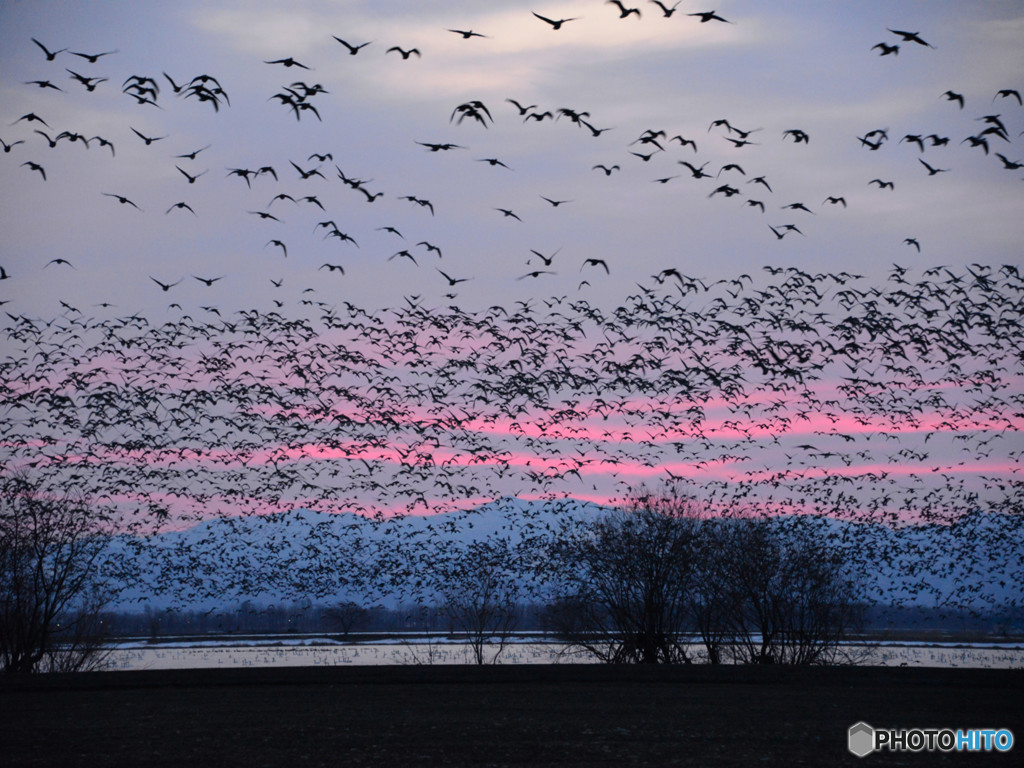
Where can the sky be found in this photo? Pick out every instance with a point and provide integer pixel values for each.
(774, 72)
(776, 67)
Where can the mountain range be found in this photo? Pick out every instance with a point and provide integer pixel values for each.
(321, 558)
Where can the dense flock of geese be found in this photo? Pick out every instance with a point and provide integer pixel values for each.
(799, 393)
(783, 390)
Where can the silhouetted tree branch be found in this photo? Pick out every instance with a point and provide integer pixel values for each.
(50, 597)
(627, 581)
(645, 582)
(480, 595)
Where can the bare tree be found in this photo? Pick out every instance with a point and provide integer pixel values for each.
(80, 639)
(711, 598)
(625, 597)
(640, 584)
(347, 615)
(792, 599)
(50, 597)
(480, 595)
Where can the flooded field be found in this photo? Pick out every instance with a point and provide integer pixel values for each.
(281, 652)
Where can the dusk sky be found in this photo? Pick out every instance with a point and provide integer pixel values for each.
(781, 66)
(802, 87)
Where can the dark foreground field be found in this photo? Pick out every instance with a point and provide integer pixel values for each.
(498, 716)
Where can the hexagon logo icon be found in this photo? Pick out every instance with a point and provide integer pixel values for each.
(861, 739)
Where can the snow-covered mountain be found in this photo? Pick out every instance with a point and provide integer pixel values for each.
(306, 556)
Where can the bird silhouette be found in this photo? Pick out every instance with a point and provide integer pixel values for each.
(92, 58)
(90, 83)
(725, 189)
(105, 143)
(797, 207)
(624, 12)
(762, 181)
(404, 254)
(165, 287)
(954, 96)
(148, 140)
(50, 55)
(539, 116)
(44, 84)
(683, 141)
(474, 109)
(304, 174)
(1009, 165)
(278, 244)
(31, 117)
(208, 281)
(492, 161)
(431, 248)
(522, 110)
(352, 49)
(405, 54)
(977, 141)
(554, 203)
(244, 173)
(739, 142)
(191, 178)
(706, 16)
(122, 200)
(1007, 93)
(931, 170)
(546, 259)
(453, 281)
(178, 89)
(36, 167)
(192, 155)
(439, 147)
(554, 24)
(696, 172)
(665, 10)
(914, 139)
(911, 37)
(288, 62)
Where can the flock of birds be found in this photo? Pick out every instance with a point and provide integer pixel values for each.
(800, 393)
(789, 391)
(675, 155)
